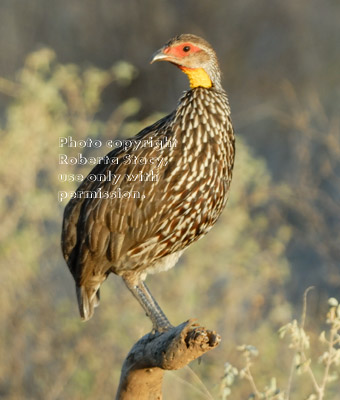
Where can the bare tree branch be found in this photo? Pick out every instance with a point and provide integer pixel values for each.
(144, 367)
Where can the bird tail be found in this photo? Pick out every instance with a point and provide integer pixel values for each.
(88, 298)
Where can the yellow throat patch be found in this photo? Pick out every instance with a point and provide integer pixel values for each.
(197, 77)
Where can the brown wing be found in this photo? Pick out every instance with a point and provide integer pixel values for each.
(97, 231)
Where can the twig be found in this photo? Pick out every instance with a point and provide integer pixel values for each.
(199, 381)
(329, 360)
(248, 375)
(300, 349)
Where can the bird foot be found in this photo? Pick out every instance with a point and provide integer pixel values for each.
(161, 328)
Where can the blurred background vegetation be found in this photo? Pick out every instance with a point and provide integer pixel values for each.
(81, 69)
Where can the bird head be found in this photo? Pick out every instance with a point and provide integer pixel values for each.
(195, 57)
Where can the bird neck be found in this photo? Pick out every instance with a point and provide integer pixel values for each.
(198, 77)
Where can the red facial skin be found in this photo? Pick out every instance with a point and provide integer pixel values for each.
(198, 77)
(178, 51)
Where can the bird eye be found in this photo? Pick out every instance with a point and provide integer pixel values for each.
(186, 48)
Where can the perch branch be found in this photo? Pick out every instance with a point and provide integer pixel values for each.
(153, 354)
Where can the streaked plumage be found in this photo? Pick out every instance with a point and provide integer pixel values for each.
(132, 237)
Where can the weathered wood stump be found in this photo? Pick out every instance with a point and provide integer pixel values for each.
(153, 354)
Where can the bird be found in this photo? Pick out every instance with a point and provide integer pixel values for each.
(133, 227)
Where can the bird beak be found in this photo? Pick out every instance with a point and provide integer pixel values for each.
(159, 56)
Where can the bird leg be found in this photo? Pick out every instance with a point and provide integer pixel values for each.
(140, 291)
